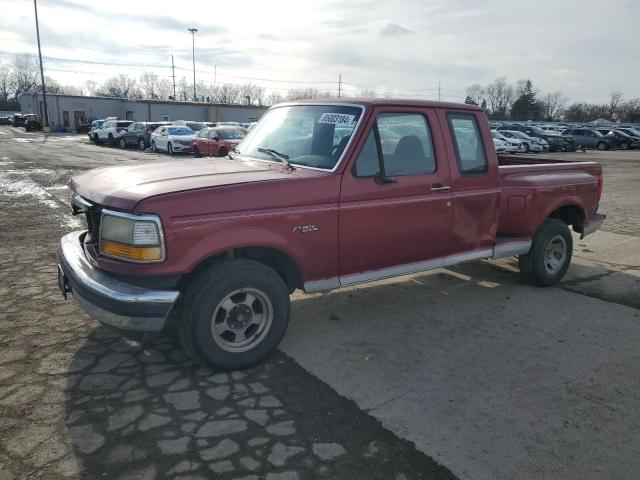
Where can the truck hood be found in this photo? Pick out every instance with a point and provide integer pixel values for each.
(124, 187)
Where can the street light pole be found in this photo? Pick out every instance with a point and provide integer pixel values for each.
(193, 52)
(44, 90)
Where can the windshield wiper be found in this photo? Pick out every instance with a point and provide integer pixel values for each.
(277, 155)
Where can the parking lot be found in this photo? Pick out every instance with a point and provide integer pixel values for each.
(459, 373)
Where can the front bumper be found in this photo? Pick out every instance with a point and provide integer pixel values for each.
(178, 147)
(593, 225)
(106, 298)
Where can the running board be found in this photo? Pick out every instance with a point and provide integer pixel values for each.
(505, 247)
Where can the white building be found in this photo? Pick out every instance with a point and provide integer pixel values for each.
(72, 110)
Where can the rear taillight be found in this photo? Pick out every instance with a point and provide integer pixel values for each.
(599, 187)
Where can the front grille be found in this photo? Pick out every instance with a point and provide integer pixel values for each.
(93, 215)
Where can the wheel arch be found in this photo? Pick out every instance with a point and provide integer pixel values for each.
(572, 214)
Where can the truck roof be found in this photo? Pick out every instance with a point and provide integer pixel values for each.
(391, 102)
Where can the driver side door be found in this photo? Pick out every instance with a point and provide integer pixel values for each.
(395, 204)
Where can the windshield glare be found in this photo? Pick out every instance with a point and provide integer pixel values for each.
(309, 135)
(179, 131)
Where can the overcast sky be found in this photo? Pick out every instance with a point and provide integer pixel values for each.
(587, 49)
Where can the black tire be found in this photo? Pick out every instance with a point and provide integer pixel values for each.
(111, 142)
(602, 146)
(526, 148)
(624, 146)
(208, 289)
(222, 152)
(121, 143)
(153, 146)
(96, 139)
(142, 144)
(196, 152)
(170, 149)
(533, 264)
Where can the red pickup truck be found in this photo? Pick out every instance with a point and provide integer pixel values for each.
(318, 196)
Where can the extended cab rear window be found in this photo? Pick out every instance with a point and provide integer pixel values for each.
(468, 143)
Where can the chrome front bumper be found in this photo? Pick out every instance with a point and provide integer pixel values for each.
(106, 298)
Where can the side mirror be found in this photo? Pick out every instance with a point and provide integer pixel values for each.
(216, 139)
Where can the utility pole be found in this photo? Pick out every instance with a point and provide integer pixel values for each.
(44, 90)
(193, 51)
(173, 75)
(439, 95)
(339, 84)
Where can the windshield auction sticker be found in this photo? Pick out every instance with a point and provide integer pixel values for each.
(337, 118)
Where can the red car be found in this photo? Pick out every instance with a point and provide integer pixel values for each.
(216, 141)
(321, 195)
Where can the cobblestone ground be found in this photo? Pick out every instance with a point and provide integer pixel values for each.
(78, 400)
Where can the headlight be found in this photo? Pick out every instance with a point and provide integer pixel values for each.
(136, 238)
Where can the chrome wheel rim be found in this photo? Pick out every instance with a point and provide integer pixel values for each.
(555, 255)
(242, 320)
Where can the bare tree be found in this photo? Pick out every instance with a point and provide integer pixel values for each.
(149, 85)
(24, 76)
(554, 105)
(368, 93)
(274, 98)
(121, 86)
(500, 95)
(612, 106)
(5, 83)
(476, 93)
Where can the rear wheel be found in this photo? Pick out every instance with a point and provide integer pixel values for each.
(141, 144)
(526, 148)
(196, 152)
(234, 314)
(602, 146)
(624, 146)
(111, 141)
(170, 149)
(550, 254)
(96, 139)
(153, 146)
(122, 143)
(222, 152)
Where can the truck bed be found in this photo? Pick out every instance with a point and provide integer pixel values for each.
(534, 188)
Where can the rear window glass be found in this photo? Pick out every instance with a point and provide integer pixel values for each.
(468, 143)
(123, 124)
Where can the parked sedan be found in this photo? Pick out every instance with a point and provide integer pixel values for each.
(217, 141)
(587, 138)
(531, 144)
(619, 139)
(172, 139)
(629, 131)
(515, 145)
(554, 140)
(138, 134)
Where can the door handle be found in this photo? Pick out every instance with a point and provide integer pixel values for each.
(441, 188)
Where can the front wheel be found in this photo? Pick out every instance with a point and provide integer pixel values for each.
(234, 314)
(111, 141)
(122, 143)
(96, 139)
(624, 146)
(141, 145)
(153, 146)
(222, 152)
(602, 146)
(550, 254)
(196, 152)
(170, 149)
(526, 148)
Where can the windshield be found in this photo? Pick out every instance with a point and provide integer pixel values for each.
(309, 135)
(633, 131)
(179, 131)
(520, 134)
(231, 134)
(196, 126)
(498, 135)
